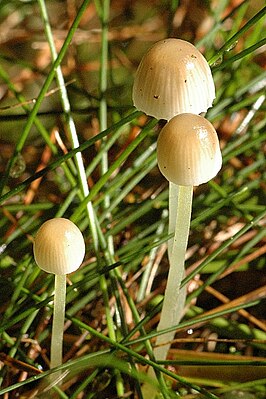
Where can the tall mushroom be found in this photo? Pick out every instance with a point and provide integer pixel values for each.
(173, 77)
(58, 248)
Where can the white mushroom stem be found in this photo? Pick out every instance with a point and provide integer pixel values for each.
(174, 298)
(173, 203)
(58, 321)
(180, 206)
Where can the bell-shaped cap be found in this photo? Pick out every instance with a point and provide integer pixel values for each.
(188, 150)
(173, 77)
(59, 246)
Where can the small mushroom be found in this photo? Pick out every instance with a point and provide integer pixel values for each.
(188, 150)
(173, 77)
(188, 154)
(58, 248)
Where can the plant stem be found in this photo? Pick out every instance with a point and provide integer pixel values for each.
(104, 166)
(103, 103)
(70, 123)
(45, 87)
(58, 321)
(237, 35)
(63, 158)
(174, 297)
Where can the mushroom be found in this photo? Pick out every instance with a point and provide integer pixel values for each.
(188, 151)
(173, 77)
(58, 248)
(188, 155)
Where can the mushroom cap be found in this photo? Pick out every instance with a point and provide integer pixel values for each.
(173, 77)
(188, 150)
(59, 246)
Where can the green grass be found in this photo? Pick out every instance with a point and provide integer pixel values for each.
(109, 185)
